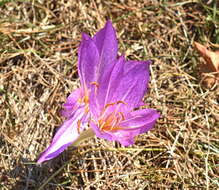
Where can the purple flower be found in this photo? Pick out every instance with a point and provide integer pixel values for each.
(95, 56)
(114, 100)
(105, 104)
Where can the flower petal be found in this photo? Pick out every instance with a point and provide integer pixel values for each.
(129, 65)
(125, 138)
(141, 119)
(107, 46)
(133, 85)
(71, 103)
(110, 82)
(66, 135)
(88, 60)
(136, 122)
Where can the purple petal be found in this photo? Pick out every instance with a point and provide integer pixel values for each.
(132, 86)
(125, 138)
(88, 60)
(107, 46)
(66, 135)
(137, 123)
(110, 82)
(129, 65)
(141, 119)
(71, 103)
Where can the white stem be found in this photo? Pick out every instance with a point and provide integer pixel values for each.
(88, 133)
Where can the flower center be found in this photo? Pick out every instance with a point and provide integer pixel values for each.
(111, 121)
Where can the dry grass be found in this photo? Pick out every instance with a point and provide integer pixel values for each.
(39, 41)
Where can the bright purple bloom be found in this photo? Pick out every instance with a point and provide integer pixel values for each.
(95, 56)
(114, 100)
(111, 89)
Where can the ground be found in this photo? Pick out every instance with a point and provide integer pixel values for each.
(38, 64)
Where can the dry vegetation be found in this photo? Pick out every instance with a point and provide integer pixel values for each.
(38, 57)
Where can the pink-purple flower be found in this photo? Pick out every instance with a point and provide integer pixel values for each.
(106, 103)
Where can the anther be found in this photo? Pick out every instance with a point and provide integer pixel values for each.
(95, 84)
(121, 102)
(78, 126)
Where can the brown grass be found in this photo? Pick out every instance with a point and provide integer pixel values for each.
(38, 45)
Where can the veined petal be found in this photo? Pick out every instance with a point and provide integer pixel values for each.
(88, 60)
(137, 123)
(71, 103)
(94, 102)
(125, 138)
(141, 119)
(132, 86)
(129, 65)
(107, 46)
(66, 135)
(106, 41)
(110, 82)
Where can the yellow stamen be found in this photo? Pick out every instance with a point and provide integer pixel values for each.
(110, 122)
(122, 115)
(78, 126)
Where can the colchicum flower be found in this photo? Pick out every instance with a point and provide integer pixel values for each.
(105, 104)
(113, 103)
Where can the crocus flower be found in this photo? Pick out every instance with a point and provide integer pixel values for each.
(95, 58)
(113, 103)
(105, 104)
